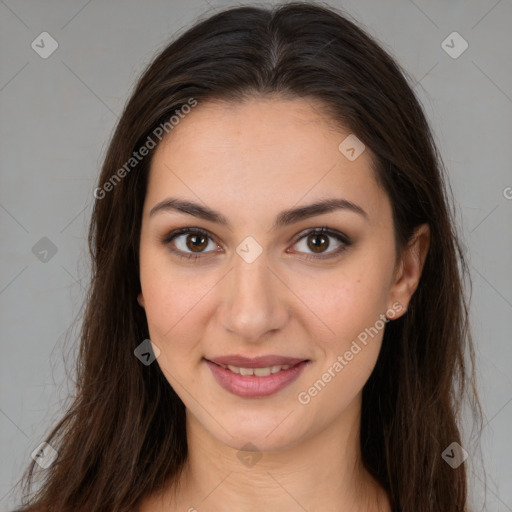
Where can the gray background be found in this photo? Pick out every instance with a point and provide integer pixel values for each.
(58, 113)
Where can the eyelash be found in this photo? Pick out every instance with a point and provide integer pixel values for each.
(324, 230)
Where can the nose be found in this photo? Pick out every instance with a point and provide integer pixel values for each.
(254, 300)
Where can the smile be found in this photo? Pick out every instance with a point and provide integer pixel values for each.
(255, 382)
(258, 372)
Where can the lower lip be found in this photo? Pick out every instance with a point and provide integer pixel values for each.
(252, 386)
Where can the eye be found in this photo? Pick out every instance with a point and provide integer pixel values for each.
(189, 239)
(317, 240)
(191, 243)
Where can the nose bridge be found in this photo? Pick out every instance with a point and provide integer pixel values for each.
(252, 304)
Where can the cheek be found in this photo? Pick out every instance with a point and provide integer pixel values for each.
(171, 307)
(352, 302)
(174, 303)
(164, 292)
(173, 312)
(354, 310)
(346, 360)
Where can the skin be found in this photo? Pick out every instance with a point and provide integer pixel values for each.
(249, 161)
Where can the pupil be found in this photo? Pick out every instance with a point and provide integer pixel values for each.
(195, 245)
(316, 246)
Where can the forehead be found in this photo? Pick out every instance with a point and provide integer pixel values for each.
(259, 153)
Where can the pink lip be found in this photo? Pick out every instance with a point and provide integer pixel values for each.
(250, 386)
(255, 362)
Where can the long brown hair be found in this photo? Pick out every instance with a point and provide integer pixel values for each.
(124, 437)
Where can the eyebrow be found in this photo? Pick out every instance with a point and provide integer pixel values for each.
(284, 218)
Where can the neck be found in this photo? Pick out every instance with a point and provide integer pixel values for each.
(316, 473)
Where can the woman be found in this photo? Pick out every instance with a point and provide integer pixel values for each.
(276, 319)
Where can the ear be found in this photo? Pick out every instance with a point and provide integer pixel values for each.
(140, 299)
(409, 268)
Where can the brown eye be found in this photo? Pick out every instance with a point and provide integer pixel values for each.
(192, 243)
(196, 242)
(189, 243)
(315, 243)
(318, 242)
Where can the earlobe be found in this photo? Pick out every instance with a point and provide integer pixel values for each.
(408, 274)
(140, 299)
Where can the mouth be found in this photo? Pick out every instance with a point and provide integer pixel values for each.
(263, 371)
(252, 381)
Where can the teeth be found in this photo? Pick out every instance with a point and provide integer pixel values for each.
(262, 372)
(258, 372)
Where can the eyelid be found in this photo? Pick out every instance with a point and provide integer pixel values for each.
(322, 230)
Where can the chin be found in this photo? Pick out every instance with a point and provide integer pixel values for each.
(265, 433)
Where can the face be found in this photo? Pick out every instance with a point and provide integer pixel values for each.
(225, 273)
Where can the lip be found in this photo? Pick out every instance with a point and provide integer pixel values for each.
(256, 362)
(250, 386)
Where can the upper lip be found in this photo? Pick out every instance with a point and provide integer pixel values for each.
(256, 362)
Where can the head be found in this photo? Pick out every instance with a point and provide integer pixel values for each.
(252, 284)
(249, 123)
